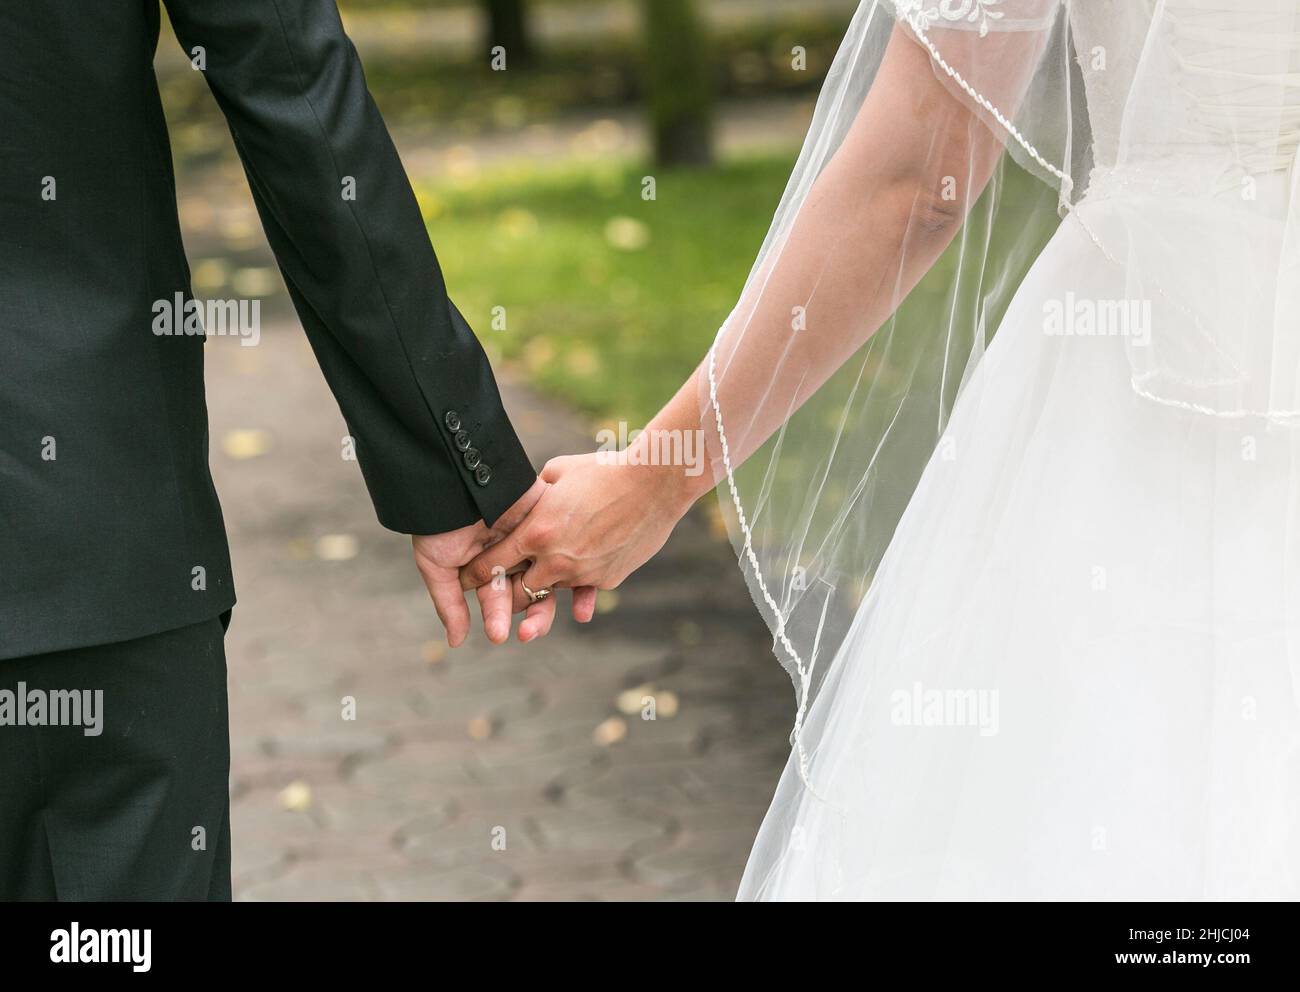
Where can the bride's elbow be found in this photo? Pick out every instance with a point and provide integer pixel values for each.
(917, 208)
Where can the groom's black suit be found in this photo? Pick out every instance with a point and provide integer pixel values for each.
(111, 531)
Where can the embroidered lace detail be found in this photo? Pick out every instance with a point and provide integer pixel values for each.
(926, 13)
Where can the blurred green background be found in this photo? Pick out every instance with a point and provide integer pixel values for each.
(530, 129)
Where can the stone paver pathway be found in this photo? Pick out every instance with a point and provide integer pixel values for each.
(510, 773)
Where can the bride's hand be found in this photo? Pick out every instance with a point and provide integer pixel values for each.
(597, 523)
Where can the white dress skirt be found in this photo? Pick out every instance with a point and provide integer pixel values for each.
(1074, 676)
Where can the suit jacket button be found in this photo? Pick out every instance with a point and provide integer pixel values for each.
(473, 459)
(452, 421)
(462, 442)
(483, 475)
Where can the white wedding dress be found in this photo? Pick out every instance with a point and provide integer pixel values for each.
(1074, 675)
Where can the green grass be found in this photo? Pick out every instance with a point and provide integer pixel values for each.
(610, 300)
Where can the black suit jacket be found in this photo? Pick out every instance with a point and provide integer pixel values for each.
(109, 525)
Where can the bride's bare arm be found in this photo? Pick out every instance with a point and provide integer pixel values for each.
(875, 221)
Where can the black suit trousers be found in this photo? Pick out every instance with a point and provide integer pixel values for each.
(139, 811)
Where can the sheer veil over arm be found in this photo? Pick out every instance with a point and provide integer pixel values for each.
(832, 380)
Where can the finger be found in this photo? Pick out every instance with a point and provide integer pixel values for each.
(584, 604)
(537, 621)
(495, 601)
(516, 515)
(521, 600)
(449, 601)
(496, 561)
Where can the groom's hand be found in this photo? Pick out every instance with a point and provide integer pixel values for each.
(440, 558)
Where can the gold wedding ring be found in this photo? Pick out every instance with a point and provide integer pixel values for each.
(535, 597)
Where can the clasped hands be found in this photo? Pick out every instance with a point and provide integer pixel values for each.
(585, 525)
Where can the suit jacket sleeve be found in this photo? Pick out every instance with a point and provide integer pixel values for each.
(435, 446)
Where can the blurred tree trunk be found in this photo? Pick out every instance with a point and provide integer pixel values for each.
(679, 82)
(507, 26)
